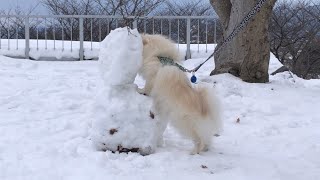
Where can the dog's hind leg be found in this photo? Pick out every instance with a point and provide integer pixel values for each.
(204, 146)
(195, 149)
(199, 146)
(197, 143)
(201, 142)
(205, 143)
(161, 127)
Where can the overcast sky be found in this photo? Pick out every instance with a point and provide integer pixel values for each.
(30, 4)
(23, 4)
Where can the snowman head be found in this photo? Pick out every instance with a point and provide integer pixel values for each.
(121, 56)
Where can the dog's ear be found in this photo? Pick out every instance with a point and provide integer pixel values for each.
(145, 40)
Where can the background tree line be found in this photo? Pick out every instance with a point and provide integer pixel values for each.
(97, 28)
(295, 37)
(294, 30)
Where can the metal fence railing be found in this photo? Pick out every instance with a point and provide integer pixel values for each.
(80, 34)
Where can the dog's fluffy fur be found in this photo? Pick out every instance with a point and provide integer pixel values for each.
(193, 111)
(153, 47)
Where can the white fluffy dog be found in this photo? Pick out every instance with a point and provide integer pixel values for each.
(193, 111)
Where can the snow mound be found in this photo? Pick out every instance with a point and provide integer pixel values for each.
(121, 115)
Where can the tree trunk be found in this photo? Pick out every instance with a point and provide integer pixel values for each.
(247, 55)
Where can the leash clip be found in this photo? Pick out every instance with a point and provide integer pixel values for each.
(193, 78)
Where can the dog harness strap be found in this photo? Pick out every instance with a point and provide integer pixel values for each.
(165, 61)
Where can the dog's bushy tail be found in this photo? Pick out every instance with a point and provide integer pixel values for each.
(212, 103)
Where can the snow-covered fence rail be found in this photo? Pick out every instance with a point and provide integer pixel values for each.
(78, 36)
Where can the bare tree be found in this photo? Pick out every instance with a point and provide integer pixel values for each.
(294, 37)
(198, 26)
(186, 8)
(97, 7)
(248, 54)
(128, 7)
(71, 7)
(14, 27)
(308, 64)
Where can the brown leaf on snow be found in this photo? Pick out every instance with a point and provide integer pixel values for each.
(151, 115)
(204, 167)
(112, 131)
(126, 150)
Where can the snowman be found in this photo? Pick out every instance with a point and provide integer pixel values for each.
(122, 120)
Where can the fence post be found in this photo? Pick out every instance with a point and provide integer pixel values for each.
(27, 37)
(215, 31)
(188, 53)
(135, 24)
(81, 50)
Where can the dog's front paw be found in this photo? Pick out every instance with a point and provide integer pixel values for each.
(141, 91)
(194, 151)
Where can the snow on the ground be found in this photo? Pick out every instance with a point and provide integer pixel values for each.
(120, 116)
(44, 129)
